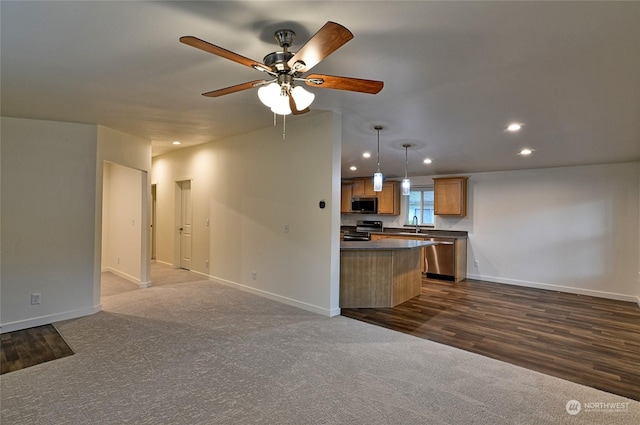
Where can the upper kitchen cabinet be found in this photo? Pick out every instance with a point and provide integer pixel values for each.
(389, 198)
(345, 199)
(450, 196)
(362, 187)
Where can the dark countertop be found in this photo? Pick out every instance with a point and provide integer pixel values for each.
(425, 232)
(383, 245)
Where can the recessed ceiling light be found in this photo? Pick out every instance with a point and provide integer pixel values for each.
(366, 155)
(176, 142)
(526, 152)
(514, 126)
(427, 161)
(353, 168)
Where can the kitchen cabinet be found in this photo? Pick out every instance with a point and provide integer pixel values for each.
(379, 273)
(389, 199)
(450, 196)
(362, 187)
(345, 198)
(457, 269)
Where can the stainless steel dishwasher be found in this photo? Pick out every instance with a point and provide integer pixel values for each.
(440, 258)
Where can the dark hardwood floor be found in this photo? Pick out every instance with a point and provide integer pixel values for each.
(29, 347)
(583, 339)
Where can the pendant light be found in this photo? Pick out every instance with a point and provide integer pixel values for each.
(377, 176)
(406, 183)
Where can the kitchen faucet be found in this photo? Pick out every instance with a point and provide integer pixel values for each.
(414, 220)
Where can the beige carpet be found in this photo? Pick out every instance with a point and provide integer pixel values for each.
(203, 353)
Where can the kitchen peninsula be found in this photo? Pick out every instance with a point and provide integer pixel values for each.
(381, 273)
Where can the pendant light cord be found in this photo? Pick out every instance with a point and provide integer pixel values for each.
(406, 160)
(378, 128)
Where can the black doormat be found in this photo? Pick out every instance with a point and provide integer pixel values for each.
(29, 347)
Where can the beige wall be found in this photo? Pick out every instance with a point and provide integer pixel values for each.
(250, 188)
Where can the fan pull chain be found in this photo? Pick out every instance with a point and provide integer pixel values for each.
(284, 126)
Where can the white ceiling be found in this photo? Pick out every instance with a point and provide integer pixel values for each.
(455, 74)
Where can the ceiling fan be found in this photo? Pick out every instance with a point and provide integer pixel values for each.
(280, 93)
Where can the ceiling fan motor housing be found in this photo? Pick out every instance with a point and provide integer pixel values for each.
(277, 61)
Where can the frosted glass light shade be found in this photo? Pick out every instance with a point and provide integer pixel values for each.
(281, 106)
(302, 97)
(406, 187)
(269, 94)
(377, 182)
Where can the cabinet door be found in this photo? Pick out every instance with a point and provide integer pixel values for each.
(363, 187)
(389, 199)
(345, 199)
(368, 187)
(450, 196)
(357, 188)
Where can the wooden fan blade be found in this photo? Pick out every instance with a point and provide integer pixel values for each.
(344, 83)
(236, 88)
(294, 108)
(224, 53)
(326, 41)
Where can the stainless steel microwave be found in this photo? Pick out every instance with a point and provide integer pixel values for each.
(364, 205)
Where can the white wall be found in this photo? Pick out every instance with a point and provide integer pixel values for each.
(48, 219)
(560, 228)
(250, 187)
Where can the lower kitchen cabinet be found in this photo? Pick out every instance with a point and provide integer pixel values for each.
(377, 237)
(447, 260)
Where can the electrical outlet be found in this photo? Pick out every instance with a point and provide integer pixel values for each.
(35, 299)
(476, 263)
(286, 228)
(206, 263)
(206, 222)
(254, 275)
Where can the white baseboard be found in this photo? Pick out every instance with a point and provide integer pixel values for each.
(559, 288)
(126, 276)
(274, 297)
(52, 318)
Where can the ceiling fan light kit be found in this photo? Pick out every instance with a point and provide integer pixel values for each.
(280, 93)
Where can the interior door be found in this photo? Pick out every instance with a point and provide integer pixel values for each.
(185, 224)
